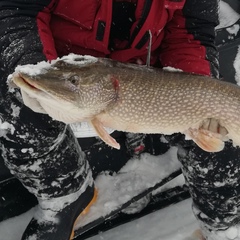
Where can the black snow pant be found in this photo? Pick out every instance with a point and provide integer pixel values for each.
(43, 154)
(213, 180)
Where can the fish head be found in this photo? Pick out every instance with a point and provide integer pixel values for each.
(69, 90)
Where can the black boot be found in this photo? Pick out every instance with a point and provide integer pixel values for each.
(55, 218)
(213, 182)
(4, 171)
(15, 199)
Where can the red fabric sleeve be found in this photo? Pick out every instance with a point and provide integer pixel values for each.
(43, 21)
(189, 39)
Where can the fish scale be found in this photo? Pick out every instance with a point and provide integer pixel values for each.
(133, 98)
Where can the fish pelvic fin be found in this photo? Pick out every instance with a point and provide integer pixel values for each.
(206, 140)
(103, 134)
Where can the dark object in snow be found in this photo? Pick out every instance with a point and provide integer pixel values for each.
(59, 221)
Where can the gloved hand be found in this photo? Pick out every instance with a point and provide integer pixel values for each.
(209, 124)
(214, 126)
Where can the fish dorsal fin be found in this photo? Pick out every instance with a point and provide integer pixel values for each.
(103, 134)
(207, 140)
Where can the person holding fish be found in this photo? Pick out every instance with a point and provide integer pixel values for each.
(45, 155)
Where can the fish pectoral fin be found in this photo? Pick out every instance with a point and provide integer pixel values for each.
(207, 140)
(103, 134)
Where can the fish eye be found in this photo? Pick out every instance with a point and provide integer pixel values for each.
(74, 79)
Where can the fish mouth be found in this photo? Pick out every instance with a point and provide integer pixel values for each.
(25, 84)
(28, 83)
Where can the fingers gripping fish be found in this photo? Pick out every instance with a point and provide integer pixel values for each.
(133, 98)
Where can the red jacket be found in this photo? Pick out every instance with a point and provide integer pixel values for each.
(182, 30)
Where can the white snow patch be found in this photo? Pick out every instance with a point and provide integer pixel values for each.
(6, 127)
(227, 15)
(15, 110)
(172, 69)
(236, 65)
(43, 67)
(133, 178)
(234, 29)
(232, 233)
(175, 222)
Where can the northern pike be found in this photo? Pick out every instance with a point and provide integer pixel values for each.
(133, 98)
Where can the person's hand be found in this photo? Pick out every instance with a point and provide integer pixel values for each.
(214, 126)
(210, 136)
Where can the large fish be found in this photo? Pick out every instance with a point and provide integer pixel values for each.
(133, 98)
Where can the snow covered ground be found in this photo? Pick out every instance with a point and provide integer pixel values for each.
(175, 222)
(172, 223)
(114, 190)
(167, 224)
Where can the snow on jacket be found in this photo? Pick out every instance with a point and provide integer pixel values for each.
(182, 31)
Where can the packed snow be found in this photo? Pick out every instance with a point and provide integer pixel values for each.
(227, 15)
(175, 222)
(114, 190)
(41, 67)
